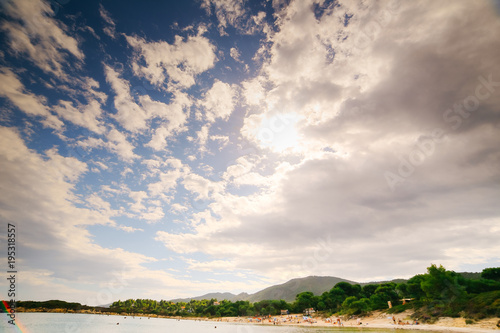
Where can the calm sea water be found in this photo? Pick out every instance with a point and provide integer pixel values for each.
(83, 323)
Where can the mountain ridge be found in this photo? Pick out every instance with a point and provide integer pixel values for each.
(286, 291)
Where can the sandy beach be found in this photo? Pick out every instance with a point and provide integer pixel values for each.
(375, 320)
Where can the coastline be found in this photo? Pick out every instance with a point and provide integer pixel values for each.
(376, 320)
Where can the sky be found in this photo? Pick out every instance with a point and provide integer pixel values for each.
(164, 149)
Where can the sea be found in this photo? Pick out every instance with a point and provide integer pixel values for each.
(86, 323)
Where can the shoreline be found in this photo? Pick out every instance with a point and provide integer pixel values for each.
(376, 320)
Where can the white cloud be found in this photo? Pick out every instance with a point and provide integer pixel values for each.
(129, 229)
(12, 89)
(235, 54)
(137, 197)
(98, 203)
(153, 214)
(361, 109)
(253, 92)
(201, 186)
(223, 140)
(42, 38)
(210, 266)
(129, 114)
(110, 28)
(87, 116)
(135, 117)
(178, 208)
(167, 182)
(233, 13)
(219, 101)
(116, 142)
(175, 117)
(202, 137)
(179, 63)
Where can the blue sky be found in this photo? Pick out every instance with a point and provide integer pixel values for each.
(163, 149)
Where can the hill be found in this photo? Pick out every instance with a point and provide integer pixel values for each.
(218, 296)
(288, 290)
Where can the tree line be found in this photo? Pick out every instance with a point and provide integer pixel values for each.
(439, 292)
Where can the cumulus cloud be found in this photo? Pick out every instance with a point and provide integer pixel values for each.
(31, 104)
(371, 96)
(234, 13)
(59, 254)
(176, 64)
(362, 130)
(87, 116)
(219, 101)
(35, 33)
(114, 141)
(228, 12)
(135, 116)
(201, 186)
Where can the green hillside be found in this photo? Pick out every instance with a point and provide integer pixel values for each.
(288, 290)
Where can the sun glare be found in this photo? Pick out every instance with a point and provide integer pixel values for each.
(279, 133)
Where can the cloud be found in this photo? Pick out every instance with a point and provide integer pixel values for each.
(223, 140)
(129, 114)
(137, 197)
(130, 229)
(176, 64)
(233, 13)
(366, 105)
(87, 116)
(253, 92)
(43, 39)
(361, 131)
(31, 104)
(202, 137)
(219, 101)
(210, 266)
(135, 117)
(201, 186)
(115, 141)
(235, 54)
(174, 116)
(110, 28)
(59, 253)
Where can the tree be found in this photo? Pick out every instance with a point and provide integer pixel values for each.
(385, 292)
(414, 287)
(354, 306)
(368, 290)
(336, 297)
(349, 289)
(491, 273)
(441, 285)
(304, 300)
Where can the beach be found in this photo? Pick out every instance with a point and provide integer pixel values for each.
(376, 319)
